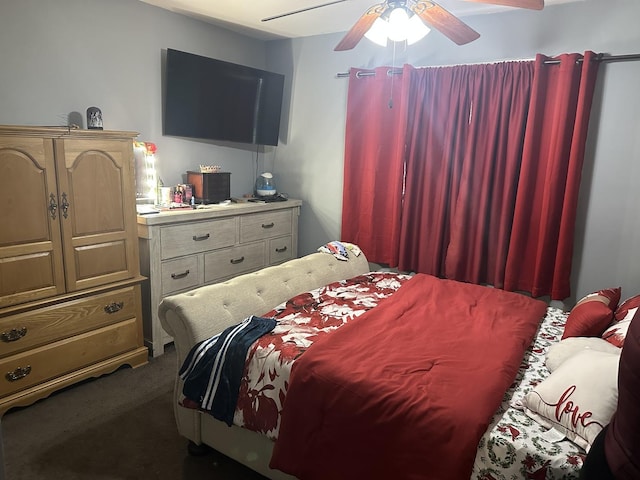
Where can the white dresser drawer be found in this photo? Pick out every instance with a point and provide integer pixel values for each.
(197, 237)
(233, 261)
(180, 274)
(259, 226)
(280, 250)
(233, 240)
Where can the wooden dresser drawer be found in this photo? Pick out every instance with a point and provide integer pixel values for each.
(36, 366)
(233, 261)
(197, 237)
(280, 250)
(180, 274)
(23, 331)
(259, 226)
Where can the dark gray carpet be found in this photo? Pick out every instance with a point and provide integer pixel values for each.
(119, 426)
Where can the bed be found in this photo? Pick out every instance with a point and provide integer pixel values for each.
(327, 430)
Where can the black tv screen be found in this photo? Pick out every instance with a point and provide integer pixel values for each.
(211, 99)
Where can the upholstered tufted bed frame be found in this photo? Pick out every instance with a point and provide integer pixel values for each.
(201, 313)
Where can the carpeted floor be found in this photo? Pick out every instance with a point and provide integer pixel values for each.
(119, 426)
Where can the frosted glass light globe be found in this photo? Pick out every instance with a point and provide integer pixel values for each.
(398, 24)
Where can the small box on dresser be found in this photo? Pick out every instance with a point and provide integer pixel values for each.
(213, 187)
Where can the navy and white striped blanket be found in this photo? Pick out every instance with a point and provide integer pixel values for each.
(213, 368)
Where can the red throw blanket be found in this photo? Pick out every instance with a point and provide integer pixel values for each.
(406, 390)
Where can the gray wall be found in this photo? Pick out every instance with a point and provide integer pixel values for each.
(64, 56)
(309, 161)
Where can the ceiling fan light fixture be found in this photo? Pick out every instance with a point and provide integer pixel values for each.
(398, 24)
(429, 15)
(417, 30)
(378, 32)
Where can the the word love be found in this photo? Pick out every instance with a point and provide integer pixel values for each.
(565, 407)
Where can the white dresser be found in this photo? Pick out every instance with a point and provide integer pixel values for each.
(184, 249)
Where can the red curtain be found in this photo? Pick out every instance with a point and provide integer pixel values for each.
(491, 159)
(438, 107)
(466, 134)
(541, 245)
(374, 163)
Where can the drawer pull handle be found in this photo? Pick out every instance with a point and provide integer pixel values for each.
(268, 225)
(280, 250)
(114, 307)
(13, 334)
(176, 276)
(198, 238)
(236, 261)
(18, 373)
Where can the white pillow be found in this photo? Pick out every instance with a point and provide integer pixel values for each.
(564, 349)
(579, 398)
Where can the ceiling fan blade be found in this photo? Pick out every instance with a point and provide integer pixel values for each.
(301, 10)
(443, 21)
(361, 27)
(531, 4)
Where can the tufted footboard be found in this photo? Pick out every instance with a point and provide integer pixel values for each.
(201, 313)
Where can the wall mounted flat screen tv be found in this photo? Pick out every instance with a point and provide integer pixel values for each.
(211, 99)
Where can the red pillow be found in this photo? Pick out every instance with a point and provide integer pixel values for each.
(611, 294)
(592, 314)
(617, 331)
(627, 305)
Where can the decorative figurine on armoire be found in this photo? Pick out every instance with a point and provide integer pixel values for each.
(94, 118)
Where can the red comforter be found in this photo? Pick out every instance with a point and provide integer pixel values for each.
(406, 390)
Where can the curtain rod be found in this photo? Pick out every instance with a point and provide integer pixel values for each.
(600, 58)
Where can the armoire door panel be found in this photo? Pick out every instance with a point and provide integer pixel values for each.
(101, 259)
(23, 219)
(26, 277)
(96, 203)
(31, 259)
(96, 176)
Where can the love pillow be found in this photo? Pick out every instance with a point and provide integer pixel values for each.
(579, 398)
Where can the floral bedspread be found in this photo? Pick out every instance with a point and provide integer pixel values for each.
(515, 447)
(301, 320)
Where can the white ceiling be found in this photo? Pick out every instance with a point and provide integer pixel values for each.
(245, 16)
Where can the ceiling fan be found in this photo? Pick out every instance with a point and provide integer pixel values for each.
(428, 11)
